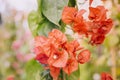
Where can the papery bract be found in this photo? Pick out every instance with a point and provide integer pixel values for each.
(42, 45)
(79, 23)
(42, 58)
(40, 41)
(80, 28)
(98, 13)
(72, 47)
(57, 38)
(97, 39)
(79, 16)
(105, 26)
(58, 58)
(71, 66)
(54, 71)
(84, 56)
(68, 14)
(38, 50)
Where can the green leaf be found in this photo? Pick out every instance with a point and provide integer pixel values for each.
(39, 6)
(118, 16)
(33, 69)
(52, 10)
(46, 75)
(34, 19)
(74, 76)
(72, 3)
(45, 27)
(63, 25)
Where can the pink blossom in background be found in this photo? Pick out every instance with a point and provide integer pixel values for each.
(16, 65)
(20, 57)
(10, 77)
(28, 57)
(16, 45)
(24, 57)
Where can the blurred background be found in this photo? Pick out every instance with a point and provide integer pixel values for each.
(16, 42)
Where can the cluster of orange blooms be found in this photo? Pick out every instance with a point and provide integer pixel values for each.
(95, 28)
(57, 53)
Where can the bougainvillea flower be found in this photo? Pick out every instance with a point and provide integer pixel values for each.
(38, 50)
(79, 16)
(54, 72)
(97, 39)
(42, 58)
(72, 47)
(40, 40)
(71, 66)
(79, 23)
(57, 37)
(58, 58)
(84, 56)
(98, 13)
(80, 28)
(68, 14)
(106, 76)
(105, 26)
(42, 45)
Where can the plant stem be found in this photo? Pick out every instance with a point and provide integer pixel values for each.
(62, 75)
(113, 68)
(79, 71)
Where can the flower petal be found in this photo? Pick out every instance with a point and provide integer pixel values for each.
(54, 72)
(58, 58)
(40, 40)
(38, 50)
(72, 47)
(42, 58)
(71, 66)
(68, 14)
(57, 37)
(98, 13)
(84, 56)
(97, 39)
(105, 26)
(62, 60)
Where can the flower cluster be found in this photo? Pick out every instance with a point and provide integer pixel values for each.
(95, 27)
(106, 76)
(57, 53)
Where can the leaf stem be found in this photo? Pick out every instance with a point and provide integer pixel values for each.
(79, 71)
